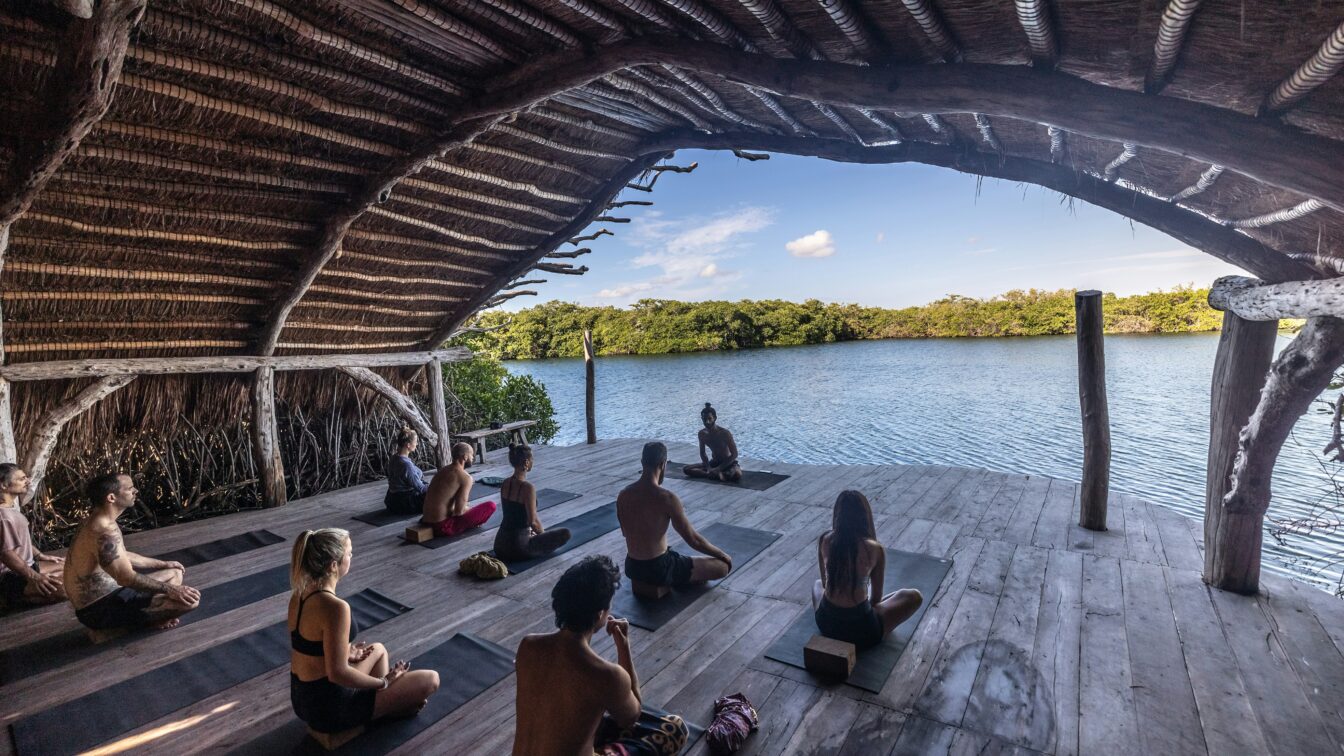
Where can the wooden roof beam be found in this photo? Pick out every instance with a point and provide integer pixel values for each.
(1324, 64)
(1034, 16)
(1112, 170)
(1205, 181)
(1170, 38)
(1278, 216)
(1285, 156)
(60, 370)
(1187, 226)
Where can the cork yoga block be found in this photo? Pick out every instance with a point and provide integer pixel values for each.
(419, 533)
(649, 590)
(330, 741)
(829, 658)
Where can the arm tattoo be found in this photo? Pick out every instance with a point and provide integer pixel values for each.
(148, 584)
(109, 548)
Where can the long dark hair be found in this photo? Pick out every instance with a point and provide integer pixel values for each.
(851, 524)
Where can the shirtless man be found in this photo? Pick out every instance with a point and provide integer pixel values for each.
(645, 509)
(446, 499)
(27, 576)
(573, 702)
(102, 577)
(721, 461)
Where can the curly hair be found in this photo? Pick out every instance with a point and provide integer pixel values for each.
(584, 592)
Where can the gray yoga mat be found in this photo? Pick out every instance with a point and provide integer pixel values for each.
(224, 547)
(742, 544)
(582, 528)
(546, 498)
(64, 648)
(874, 665)
(754, 480)
(117, 709)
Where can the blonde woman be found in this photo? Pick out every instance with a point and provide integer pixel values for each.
(334, 683)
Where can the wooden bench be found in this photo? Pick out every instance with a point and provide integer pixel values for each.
(516, 430)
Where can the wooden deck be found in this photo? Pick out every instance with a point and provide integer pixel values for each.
(1043, 638)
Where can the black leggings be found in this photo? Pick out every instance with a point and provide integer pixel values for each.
(519, 545)
(405, 502)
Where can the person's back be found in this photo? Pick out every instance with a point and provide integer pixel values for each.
(85, 579)
(643, 509)
(547, 665)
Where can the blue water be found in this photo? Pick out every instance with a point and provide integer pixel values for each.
(1003, 404)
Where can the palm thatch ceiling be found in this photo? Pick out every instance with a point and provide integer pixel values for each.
(308, 176)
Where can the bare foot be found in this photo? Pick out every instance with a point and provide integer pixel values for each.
(168, 624)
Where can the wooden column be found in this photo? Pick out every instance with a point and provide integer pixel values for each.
(8, 448)
(1096, 418)
(265, 445)
(38, 444)
(589, 387)
(1232, 540)
(443, 450)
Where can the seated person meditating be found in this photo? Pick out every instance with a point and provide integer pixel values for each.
(573, 702)
(851, 559)
(27, 576)
(520, 535)
(446, 499)
(645, 509)
(721, 461)
(335, 684)
(405, 483)
(104, 581)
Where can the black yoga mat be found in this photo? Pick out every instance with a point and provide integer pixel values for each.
(582, 528)
(105, 714)
(874, 665)
(754, 480)
(224, 547)
(380, 517)
(546, 498)
(467, 666)
(58, 650)
(742, 544)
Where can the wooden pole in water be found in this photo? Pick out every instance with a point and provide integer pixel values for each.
(1096, 418)
(1232, 540)
(589, 389)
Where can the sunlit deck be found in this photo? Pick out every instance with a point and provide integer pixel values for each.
(1043, 638)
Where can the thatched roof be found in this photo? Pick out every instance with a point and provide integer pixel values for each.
(244, 136)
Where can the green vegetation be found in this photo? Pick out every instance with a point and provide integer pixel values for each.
(658, 326)
(481, 391)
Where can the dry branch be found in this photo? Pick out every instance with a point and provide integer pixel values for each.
(402, 403)
(590, 237)
(39, 443)
(581, 251)
(1251, 299)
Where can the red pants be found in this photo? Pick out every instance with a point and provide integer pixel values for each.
(472, 518)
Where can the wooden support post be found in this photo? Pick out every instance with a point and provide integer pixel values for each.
(1096, 418)
(9, 450)
(42, 440)
(590, 387)
(1232, 540)
(265, 445)
(443, 450)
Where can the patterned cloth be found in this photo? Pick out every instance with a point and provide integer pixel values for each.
(652, 735)
(483, 566)
(734, 719)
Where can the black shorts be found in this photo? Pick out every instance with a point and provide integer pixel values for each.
(12, 585)
(124, 607)
(858, 624)
(327, 707)
(404, 502)
(671, 569)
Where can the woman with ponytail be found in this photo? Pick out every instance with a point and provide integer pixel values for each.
(853, 565)
(520, 535)
(334, 683)
(405, 483)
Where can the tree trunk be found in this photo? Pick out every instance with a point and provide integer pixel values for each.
(443, 451)
(1251, 299)
(8, 448)
(1231, 540)
(1096, 418)
(265, 445)
(402, 403)
(589, 386)
(42, 440)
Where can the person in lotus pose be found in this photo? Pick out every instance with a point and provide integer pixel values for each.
(521, 535)
(446, 499)
(853, 565)
(645, 510)
(720, 463)
(405, 483)
(27, 576)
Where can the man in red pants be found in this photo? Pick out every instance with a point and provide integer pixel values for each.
(446, 500)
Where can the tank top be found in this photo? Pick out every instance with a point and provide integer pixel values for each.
(314, 647)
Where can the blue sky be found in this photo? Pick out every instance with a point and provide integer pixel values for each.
(882, 235)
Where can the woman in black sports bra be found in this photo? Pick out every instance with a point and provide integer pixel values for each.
(334, 683)
(521, 535)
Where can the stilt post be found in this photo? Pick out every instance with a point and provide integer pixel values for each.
(589, 388)
(443, 455)
(265, 444)
(1096, 417)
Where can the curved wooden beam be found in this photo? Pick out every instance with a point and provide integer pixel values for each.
(1250, 299)
(1284, 156)
(1192, 228)
(399, 401)
(37, 449)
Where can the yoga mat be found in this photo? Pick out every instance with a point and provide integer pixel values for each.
(103, 715)
(380, 517)
(546, 498)
(224, 547)
(467, 666)
(754, 480)
(73, 645)
(742, 544)
(874, 665)
(582, 529)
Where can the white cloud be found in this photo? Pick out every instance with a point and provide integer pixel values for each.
(881, 236)
(815, 244)
(624, 290)
(709, 271)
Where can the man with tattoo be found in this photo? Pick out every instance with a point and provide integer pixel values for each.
(104, 580)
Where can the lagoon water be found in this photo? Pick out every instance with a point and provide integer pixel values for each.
(1004, 404)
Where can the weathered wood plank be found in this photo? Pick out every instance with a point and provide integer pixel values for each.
(1056, 647)
(1108, 722)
